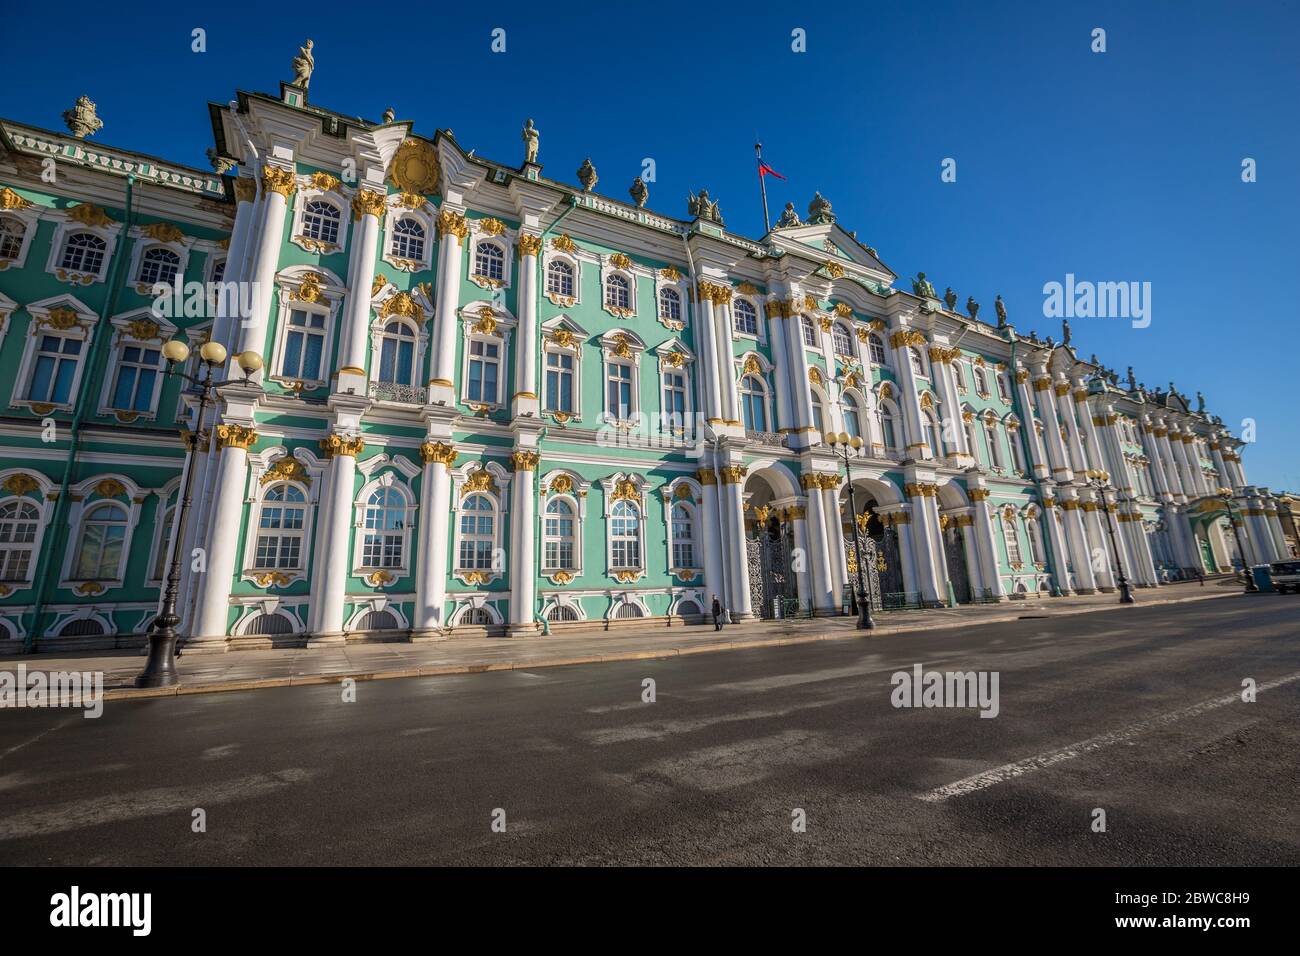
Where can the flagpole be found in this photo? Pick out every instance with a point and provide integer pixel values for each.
(762, 186)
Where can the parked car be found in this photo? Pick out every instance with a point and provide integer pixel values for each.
(1286, 576)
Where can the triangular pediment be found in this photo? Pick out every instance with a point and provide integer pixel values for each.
(833, 242)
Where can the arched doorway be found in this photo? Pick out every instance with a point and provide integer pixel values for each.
(877, 534)
(769, 544)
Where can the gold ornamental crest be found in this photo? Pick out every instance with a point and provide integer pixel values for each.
(415, 167)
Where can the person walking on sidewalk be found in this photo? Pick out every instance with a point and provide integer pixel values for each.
(717, 613)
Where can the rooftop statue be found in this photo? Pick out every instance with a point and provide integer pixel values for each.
(82, 118)
(1132, 379)
(1065, 332)
(587, 175)
(303, 65)
(922, 288)
(1200, 404)
(701, 207)
(819, 211)
(789, 217)
(530, 142)
(950, 299)
(640, 192)
(972, 307)
(1000, 308)
(389, 115)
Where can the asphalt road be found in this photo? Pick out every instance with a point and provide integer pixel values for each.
(1135, 712)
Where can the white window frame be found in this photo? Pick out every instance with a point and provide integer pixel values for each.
(611, 486)
(474, 328)
(68, 226)
(143, 243)
(610, 345)
(38, 498)
(576, 494)
(684, 367)
(340, 198)
(669, 277)
(163, 530)
(396, 210)
(1010, 536)
(124, 337)
(499, 494)
(386, 481)
(488, 229)
(40, 319)
(573, 261)
(842, 328)
(289, 283)
(89, 493)
(686, 493)
(807, 322)
(757, 335)
(575, 540)
(29, 217)
(312, 470)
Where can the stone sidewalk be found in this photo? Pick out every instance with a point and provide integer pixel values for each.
(246, 670)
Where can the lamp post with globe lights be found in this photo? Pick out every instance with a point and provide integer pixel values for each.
(160, 668)
(1100, 483)
(1226, 495)
(849, 447)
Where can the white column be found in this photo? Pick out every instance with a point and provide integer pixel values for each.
(706, 342)
(452, 230)
(277, 186)
(431, 573)
(212, 611)
(1038, 463)
(909, 400)
(834, 537)
(798, 519)
(1056, 453)
(733, 482)
(1085, 579)
(966, 528)
(525, 401)
(523, 538)
(1099, 542)
(714, 580)
(726, 359)
(818, 548)
(781, 372)
(1060, 557)
(367, 207)
(333, 540)
(924, 541)
(902, 520)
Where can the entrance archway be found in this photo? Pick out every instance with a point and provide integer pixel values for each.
(882, 566)
(770, 542)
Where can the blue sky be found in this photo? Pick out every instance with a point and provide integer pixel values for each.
(1115, 166)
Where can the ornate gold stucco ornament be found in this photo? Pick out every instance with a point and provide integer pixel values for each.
(309, 290)
(277, 180)
(286, 469)
(332, 446)
(368, 202)
(162, 232)
(415, 167)
(88, 214)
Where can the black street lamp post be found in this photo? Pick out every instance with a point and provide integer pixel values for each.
(1100, 482)
(160, 668)
(1226, 495)
(843, 445)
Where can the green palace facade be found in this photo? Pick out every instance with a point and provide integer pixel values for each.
(492, 402)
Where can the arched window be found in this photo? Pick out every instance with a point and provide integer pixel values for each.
(378, 621)
(877, 350)
(280, 528)
(11, 237)
(958, 375)
(683, 532)
(618, 292)
(841, 341)
(808, 328)
(753, 397)
(558, 538)
(477, 616)
(625, 536)
(269, 624)
(991, 435)
(99, 549)
(18, 521)
(918, 363)
(981, 380)
(397, 353)
(972, 441)
(670, 305)
(83, 252)
(559, 278)
(408, 239)
(490, 261)
(166, 519)
(1017, 452)
(82, 627)
(561, 613)
(888, 427)
(932, 435)
(477, 533)
(628, 609)
(746, 317)
(385, 524)
(852, 416)
(1035, 539)
(1012, 539)
(158, 265)
(320, 221)
(219, 271)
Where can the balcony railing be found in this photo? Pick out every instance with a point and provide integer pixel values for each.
(397, 392)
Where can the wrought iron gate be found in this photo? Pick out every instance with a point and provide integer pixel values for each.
(954, 551)
(872, 569)
(770, 582)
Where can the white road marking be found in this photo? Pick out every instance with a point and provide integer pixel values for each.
(1009, 771)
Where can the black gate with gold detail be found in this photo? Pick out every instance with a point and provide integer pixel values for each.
(771, 583)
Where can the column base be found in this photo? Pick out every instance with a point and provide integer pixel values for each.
(427, 635)
(1085, 590)
(1107, 589)
(218, 644)
(532, 629)
(738, 616)
(327, 639)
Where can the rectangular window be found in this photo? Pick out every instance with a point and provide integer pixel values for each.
(619, 395)
(136, 373)
(484, 364)
(674, 400)
(304, 346)
(559, 382)
(1003, 391)
(55, 368)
